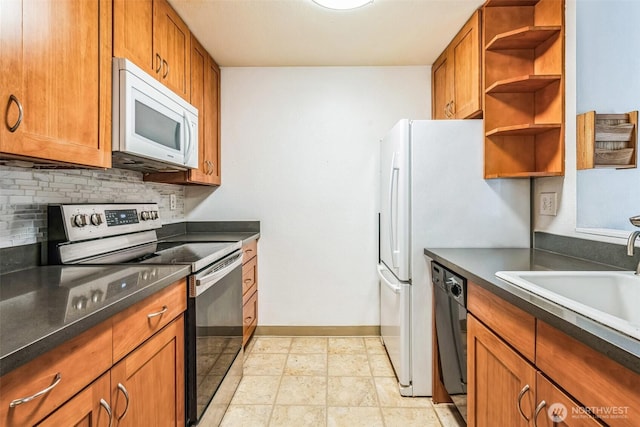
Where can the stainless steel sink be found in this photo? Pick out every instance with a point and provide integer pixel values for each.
(608, 297)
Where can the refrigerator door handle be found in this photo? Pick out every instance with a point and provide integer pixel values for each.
(394, 288)
(393, 206)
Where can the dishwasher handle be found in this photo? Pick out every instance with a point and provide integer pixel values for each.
(395, 288)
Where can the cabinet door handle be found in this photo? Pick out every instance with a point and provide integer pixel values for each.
(166, 73)
(538, 409)
(248, 319)
(12, 98)
(158, 313)
(126, 397)
(247, 280)
(107, 408)
(158, 62)
(17, 402)
(447, 110)
(452, 108)
(520, 395)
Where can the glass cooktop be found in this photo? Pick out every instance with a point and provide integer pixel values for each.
(198, 255)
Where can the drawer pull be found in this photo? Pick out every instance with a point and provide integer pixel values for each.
(107, 408)
(248, 280)
(248, 319)
(520, 395)
(248, 250)
(538, 409)
(17, 402)
(158, 313)
(126, 396)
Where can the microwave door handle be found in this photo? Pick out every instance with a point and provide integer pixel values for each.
(188, 148)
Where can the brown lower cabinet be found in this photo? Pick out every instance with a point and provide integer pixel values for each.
(89, 408)
(497, 376)
(153, 377)
(83, 383)
(505, 389)
(508, 385)
(249, 289)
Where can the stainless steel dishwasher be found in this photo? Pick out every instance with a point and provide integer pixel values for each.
(451, 328)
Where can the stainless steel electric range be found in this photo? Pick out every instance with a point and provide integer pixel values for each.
(107, 234)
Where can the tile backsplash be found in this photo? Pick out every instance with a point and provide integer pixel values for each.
(25, 194)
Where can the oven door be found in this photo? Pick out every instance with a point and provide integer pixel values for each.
(214, 338)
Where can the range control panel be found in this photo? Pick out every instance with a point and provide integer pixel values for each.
(90, 221)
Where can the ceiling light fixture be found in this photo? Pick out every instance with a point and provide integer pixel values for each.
(342, 4)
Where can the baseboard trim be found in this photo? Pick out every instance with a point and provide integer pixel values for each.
(316, 331)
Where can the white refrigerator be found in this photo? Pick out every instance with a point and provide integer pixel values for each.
(432, 194)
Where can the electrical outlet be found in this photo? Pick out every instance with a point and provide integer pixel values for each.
(172, 202)
(549, 204)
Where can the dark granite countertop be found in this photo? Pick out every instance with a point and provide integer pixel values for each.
(215, 236)
(42, 307)
(480, 266)
(210, 231)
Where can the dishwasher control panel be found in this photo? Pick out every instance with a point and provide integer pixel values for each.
(453, 284)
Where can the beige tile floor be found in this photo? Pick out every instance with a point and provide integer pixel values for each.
(326, 381)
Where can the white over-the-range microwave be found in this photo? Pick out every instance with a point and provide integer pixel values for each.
(154, 129)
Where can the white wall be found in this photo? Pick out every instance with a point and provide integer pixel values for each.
(566, 187)
(607, 82)
(300, 154)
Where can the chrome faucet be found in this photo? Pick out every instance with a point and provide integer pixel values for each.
(631, 242)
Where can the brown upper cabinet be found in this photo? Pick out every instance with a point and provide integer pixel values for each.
(455, 75)
(154, 37)
(205, 96)
(523, 67)
(55, 81)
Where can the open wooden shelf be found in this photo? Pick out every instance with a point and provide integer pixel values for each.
(527, 174)
(523, 130)
(613, 134)
(523, 38)
(523, 77)
(505, 3)
(528, 83)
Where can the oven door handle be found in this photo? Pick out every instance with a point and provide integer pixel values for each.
(205, 282)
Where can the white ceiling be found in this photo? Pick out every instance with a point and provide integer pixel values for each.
(241, 33)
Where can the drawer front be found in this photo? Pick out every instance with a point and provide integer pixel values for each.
(569, 412)
(249, 274)
(249, 250)
(515, 326)
(77, 363)
(592, 378)
(250, 314)
(137, 323)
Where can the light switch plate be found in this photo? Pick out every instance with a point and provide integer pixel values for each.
(549, 204)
